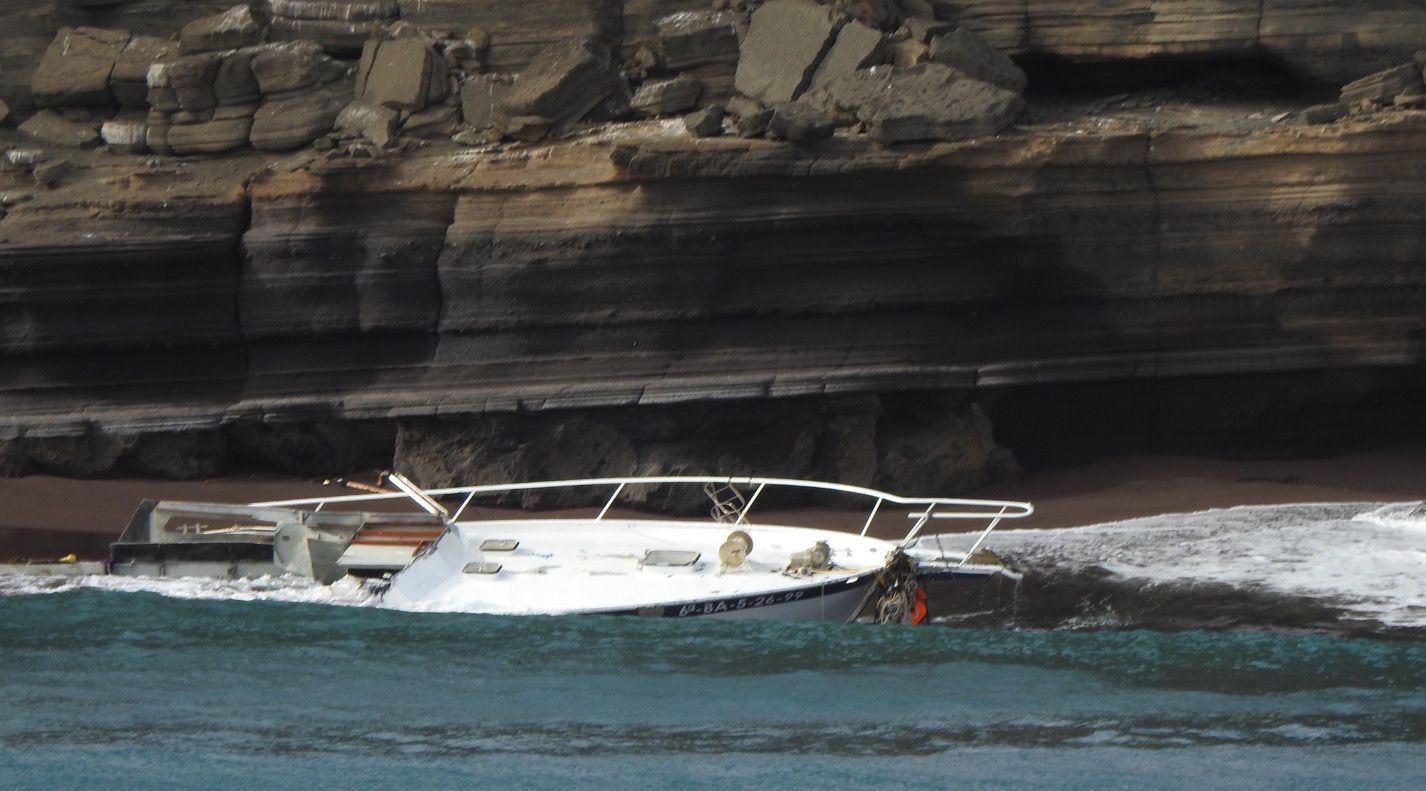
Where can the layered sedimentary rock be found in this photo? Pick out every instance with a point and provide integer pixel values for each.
(395, 284)
(662, 269)
(1328, 41)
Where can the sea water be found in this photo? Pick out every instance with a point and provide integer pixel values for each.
(283, 684)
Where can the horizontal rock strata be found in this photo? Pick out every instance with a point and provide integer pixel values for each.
(662, 269)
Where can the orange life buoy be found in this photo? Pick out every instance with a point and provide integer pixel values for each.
(918, 611)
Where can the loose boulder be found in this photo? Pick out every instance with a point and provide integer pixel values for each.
(664, 97)
(857, 47)
(755, 123)
(799, 123)
(707, 122)
(969, 54)
(51, 128)
(212, 136)
(295, 121)
(1382, 86)
(231, 29)
(563, 83)
(49, 173)
(785, 42)
(292, 66)
(930, 101)
(697, 38)
(406, 74)
(273, 96)
(128, 136)
(480, 99)
(76, 67)
(438, 120)
(372, 122)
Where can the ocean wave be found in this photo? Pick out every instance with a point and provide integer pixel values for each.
(1355, 565)
(345, 592)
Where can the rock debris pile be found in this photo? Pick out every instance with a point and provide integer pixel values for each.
(350, 76)
(1400, 87)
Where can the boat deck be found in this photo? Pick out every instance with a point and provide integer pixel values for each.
(618, 565)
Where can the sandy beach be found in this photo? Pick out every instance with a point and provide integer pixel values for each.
(46, 517)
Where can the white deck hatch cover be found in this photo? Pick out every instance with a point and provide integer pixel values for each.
(670, 557)
(482, 568)
(499, 545)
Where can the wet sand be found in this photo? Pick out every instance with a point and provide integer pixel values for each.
(45, 517)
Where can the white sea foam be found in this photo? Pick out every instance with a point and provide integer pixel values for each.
(283, 589)
(1368, 558)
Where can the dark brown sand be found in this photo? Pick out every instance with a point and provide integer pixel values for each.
(45, 516)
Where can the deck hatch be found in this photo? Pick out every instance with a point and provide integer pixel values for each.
(481, 568)
(670, 557)
(499, 545)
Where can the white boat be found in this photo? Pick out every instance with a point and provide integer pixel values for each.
(726, 566)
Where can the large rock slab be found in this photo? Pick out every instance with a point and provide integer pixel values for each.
(293, 67)
(857, 47)
(698, 38)
(968, 53)
(929, 101)
(339, 26)
(406, 74)
(337, 10)
(368, 121)
(799, 123)
(298, 119)
(707, 122)
(232, 29)
(76, 67)
(785, 42)
(125, 135)
(662, 97)
(480, 99)
(49, 127)
(210, 137)
(563, 83)
(1384, 85)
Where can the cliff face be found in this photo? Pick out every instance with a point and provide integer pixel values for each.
(646, 291)
(640, 267)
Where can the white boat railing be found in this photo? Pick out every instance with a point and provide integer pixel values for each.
(927, 507)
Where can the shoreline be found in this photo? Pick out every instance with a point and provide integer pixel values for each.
(48, 517)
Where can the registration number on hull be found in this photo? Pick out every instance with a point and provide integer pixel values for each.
(744, 603)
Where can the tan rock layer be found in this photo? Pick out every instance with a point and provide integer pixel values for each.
(668, 270)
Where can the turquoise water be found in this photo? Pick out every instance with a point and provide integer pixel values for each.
(135, 690)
